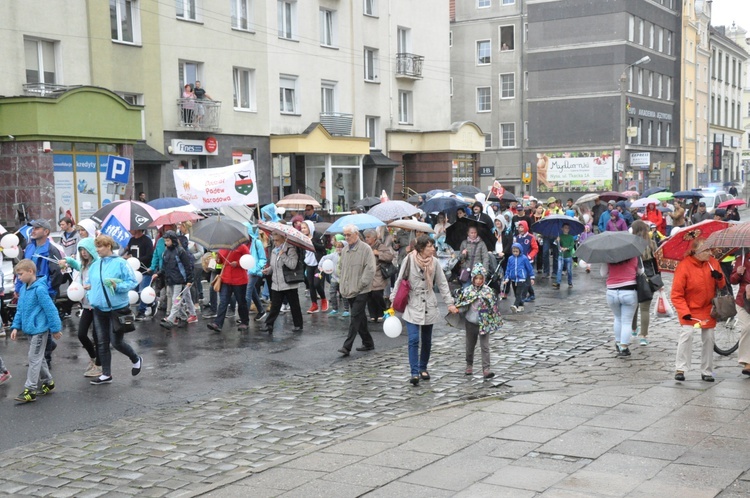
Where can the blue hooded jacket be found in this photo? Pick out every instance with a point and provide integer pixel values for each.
(519, 267)
(111, 267)
(36, 312)
(269, 213)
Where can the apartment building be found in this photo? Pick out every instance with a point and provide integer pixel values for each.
(313, 92)
(598, 71)
(741, 37)
(487, 47)
(728, 72)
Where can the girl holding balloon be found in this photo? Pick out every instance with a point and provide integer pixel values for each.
(77, 292)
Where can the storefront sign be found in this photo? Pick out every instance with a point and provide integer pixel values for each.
(228, 186)
(574, 172)
(209, 147)
(640, 160)
(486, 171)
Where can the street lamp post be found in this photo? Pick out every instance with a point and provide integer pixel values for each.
(624, 113)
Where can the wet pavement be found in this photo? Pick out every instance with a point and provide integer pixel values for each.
(209, 406)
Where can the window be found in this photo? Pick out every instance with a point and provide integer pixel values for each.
(327, 28)
(631, 28)
(288, 95)
(371, 130)
(507, 86)
(638, 138)
(650, 35)
(650, 132)
(508, 134)
(668, 135)
(404, 107)
(125, 21)
(371, 7)
(463, 170)
(483, 4)
(371, 64)
(242, 14)
(669, 88)
(650, 83)
(658, 135)
(509, 2)
(403, 36)
(40, 61)
(507, 38)
(525, 32)
(244, 88)
(190, 72)
(641, 29)
(186, 9)
(640, 81)
(287, 18)
(630, 125)
(328, 103)
(659, 84)
(132, 98)
(484, 52)
(484, 99)
(526, 80)
(630, 79)
(451, 86)
(488, 140)
(660, 39)
(669, 42)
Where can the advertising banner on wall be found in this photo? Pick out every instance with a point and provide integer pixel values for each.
(65, 199)
(574, 171)
(214, 187)
(87, 185)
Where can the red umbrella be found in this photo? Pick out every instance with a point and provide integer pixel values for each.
(175, 217)
(732, 202)
(612, 196)
(674, 249)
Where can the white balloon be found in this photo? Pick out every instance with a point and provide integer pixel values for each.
(247, 261)
(148, 295)
(392, 327)
(327, 266)
(138, 277)
(134, 263)
(11, 252)
(132, 297)
(76, 292)
(9, 241)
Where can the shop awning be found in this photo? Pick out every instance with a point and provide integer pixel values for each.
(144, 153)
(379, 160)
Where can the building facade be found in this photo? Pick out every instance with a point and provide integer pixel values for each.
(576, 54)
(741, 37)
(728, 72)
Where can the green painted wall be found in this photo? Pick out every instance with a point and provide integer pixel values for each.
(84, 114)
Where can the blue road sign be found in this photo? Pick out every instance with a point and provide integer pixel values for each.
(118, 169)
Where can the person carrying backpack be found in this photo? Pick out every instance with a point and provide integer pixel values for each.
(177, 269)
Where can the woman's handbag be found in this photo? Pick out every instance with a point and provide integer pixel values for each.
(653, 275)
(643, 287)
(124, 319)
(404, 288)
(723, 306)
(294, 275)
(388, 270)
(216, 283)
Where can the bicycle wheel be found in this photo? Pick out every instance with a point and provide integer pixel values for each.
(726, 338)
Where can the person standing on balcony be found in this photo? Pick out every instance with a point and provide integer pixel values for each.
(200, 94)
(188, 108)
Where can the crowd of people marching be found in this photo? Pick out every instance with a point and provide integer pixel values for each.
(355, 275)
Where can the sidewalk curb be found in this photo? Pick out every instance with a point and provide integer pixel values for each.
(248, 472)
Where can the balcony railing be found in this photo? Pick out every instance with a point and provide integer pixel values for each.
(409, 66)
(44, 89)
(337, 123)
(199, 114)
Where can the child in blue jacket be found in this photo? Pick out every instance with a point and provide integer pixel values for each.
(36, 315)
(518, 270)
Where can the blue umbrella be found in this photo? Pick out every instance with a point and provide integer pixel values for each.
(361, 221)
(687, 194)
(551, 226)
(168, 202)
(434, 192)
(438, 204)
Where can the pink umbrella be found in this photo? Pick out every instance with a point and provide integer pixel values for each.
(631, 193)
(291, 234)
(175, 217)
(732, 202)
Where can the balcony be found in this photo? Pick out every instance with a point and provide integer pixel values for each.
(202, 115)
(409, 66)
(337, 124)
(44, 89)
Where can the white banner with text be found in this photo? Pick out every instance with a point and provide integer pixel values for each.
(215, 187)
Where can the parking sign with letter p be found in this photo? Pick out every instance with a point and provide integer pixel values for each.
(118, 169)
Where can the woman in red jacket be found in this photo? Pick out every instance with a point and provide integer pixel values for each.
(741, 275)
(233, 283)
(654, 216)
(696, 279)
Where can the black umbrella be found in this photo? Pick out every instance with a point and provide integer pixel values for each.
(654, 190)
(219, 233)
(469, 190)
(611, 247)
(416, 199)
(367, 202)
(457, 232)
(438, 204)
(507, 196)
(687, 194)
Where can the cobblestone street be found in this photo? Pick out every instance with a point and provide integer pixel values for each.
(172, 450)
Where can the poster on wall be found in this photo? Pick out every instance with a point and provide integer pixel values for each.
(65, 198)
(574, 171)
(87, 185)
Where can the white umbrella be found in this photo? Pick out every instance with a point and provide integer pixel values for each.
(412, 225)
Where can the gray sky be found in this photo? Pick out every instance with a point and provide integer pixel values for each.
(724, 12)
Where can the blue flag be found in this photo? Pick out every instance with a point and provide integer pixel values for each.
(116, 230)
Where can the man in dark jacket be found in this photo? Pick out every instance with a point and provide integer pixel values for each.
(177, 269)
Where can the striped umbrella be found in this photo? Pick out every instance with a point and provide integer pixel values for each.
(291, 234)
(732, 237)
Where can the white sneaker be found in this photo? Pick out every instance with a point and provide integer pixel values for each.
(520, 309)
(513, 309)
(285, 308)
(92, 370)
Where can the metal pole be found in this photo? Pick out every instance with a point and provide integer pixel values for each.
(623, 126)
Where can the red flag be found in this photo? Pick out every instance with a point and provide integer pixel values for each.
(497, 189)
